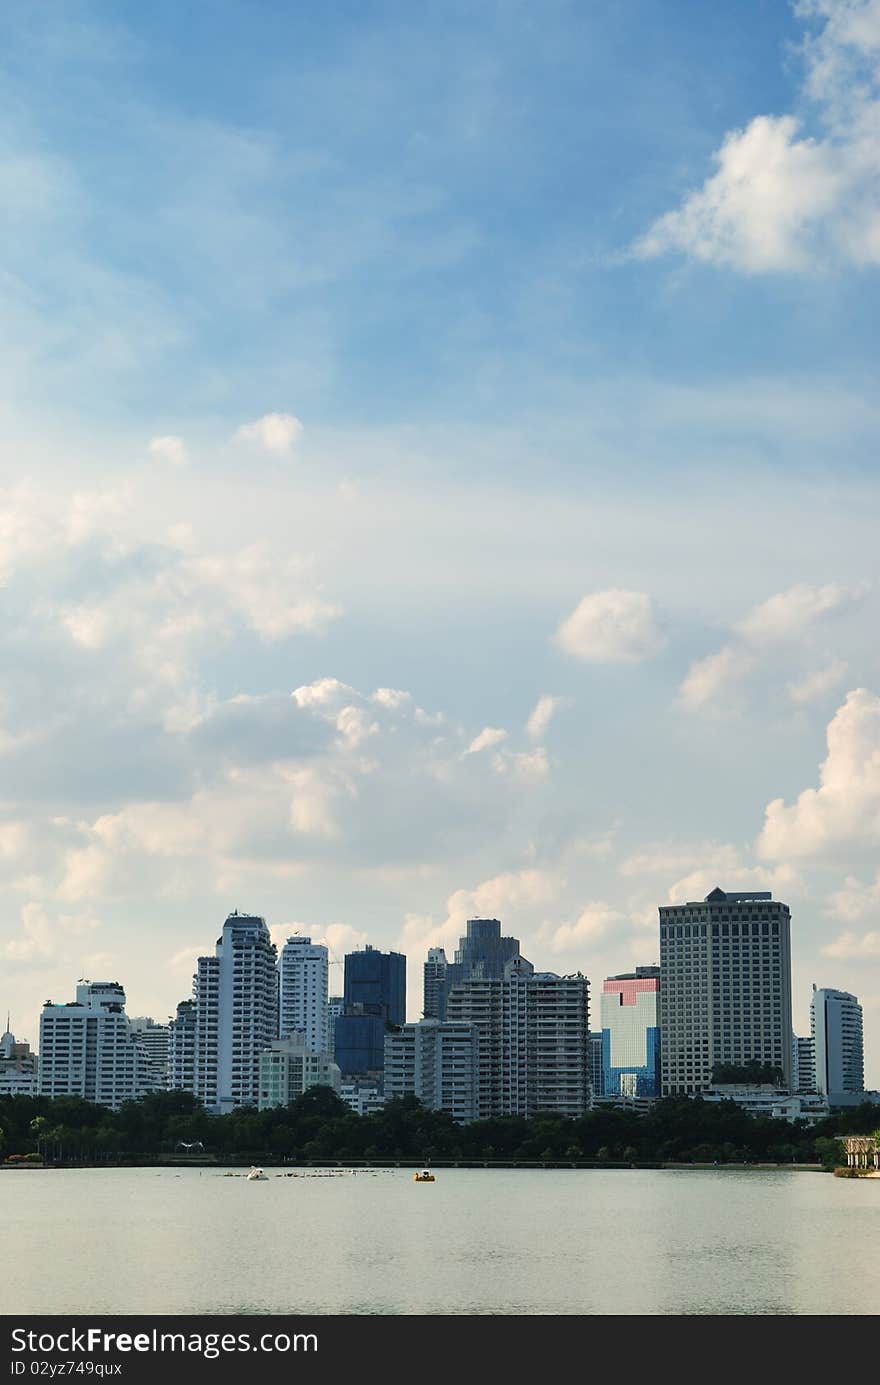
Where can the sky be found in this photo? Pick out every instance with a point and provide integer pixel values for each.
(438, 478)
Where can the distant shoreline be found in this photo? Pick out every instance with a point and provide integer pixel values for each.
(357, 1166)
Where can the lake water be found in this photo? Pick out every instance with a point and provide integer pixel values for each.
(476, 1241)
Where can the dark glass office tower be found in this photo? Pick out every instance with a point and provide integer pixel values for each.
(374, 997)
(481, 955)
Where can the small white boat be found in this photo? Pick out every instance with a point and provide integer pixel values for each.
(256, 1175)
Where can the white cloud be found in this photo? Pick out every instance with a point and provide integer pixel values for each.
(781, 200)
(613, 626)
(273, 432)
(528, 765)
(489, 736)
(324, 692)
(393, 698)
(169, 449)
(851, 946)
(815, 686)
(711, 679)
(543, 713)
(595, 921)
(855, 899)
(844, 812)
(788, 614)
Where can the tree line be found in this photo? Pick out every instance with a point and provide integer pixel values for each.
(319, 1126)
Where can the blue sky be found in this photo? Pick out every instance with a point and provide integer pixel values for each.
(438, 476)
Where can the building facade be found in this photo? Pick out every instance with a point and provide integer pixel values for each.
(236, 998)
(303, 971)
(725, 963)
(155, 1040)
(803, 1065)
(374, 999)
(288, 1068)
(88, 1048)
(838, 1045)
(534, 1053)
(631, 1034)
(482, 954)
(436, 1061)
(182, 1048)
(18, 1066)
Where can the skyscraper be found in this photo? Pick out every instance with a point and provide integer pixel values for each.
(374, 998)
(725, 963)
(236, 995)
(88, 1048)
(481, 954)
(631, 1033)
(303, 970)
(836, 1031)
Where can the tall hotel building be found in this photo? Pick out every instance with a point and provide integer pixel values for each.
(303, 970)
(836, 1031)
(631, 1034)
(726, 994)
(236, 996)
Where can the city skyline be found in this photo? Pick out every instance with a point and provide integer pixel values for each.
(739, 954)
(437, 479)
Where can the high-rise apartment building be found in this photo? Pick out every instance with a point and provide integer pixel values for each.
(155, 1040)
(182, 1048)
(631, 1033)
(374, 998)
(725, 963)
(288, 1068)
(836, 1031)
(88, 1048)
(803, 1065)
(303, 970)
(533, 1040)
(437, 1061)
(236, 996)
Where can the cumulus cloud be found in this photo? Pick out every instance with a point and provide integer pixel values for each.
(690, 870)
(855, 899)
(528, 765)
(543, 713)
(710, 680)
(789, 613)
(816, 686)
(612, 627)
(276, 433)
(782, 200)
(843, 813)
(852, 946)
(594, 922)
(489, 736)
(169, 449)
(787, 616)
